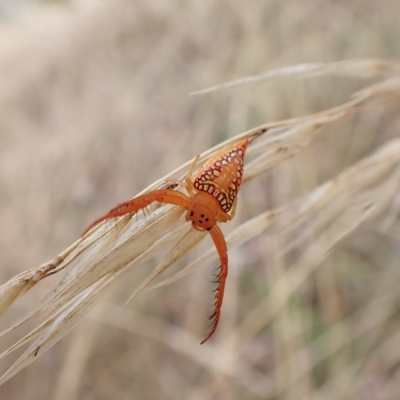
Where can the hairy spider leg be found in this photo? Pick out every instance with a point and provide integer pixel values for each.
(220, 245)
(132, 206)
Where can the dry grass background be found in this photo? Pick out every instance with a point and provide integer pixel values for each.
(95, 107)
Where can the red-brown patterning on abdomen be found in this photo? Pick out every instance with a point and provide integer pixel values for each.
(222, 175)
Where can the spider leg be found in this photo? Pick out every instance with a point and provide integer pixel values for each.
(189, 182)
(233, 211)
(177, 182)
(223, 216)
(186, 182)
(220, 245)
(138, 203)
(193, 166)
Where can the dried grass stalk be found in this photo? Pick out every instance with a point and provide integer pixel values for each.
(330, 212)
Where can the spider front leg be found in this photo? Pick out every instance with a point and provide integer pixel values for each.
(187, 182)
(220, 245)
(132, 206)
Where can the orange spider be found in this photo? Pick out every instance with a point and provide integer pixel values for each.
(212, 194)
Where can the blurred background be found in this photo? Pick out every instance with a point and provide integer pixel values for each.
(94, 107)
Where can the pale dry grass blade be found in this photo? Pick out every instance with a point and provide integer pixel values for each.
(331, 212)
(35, 332)
(23, 282)
(282, 144)
(81, 276)
(385, 87)
(357, 68)
(240, 235)
(361, 192)
(59, 326)
(353, 207)
(188, 240)
(357, 210)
